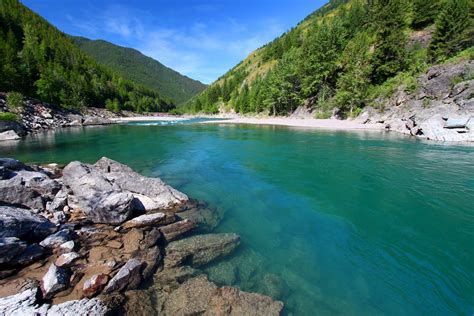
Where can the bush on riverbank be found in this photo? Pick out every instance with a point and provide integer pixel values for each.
(8, 117)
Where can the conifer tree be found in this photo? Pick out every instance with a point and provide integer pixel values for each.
(424, 13)
(454, 29)
(390, 49)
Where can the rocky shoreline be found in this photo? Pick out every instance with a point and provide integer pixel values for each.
(102, 239)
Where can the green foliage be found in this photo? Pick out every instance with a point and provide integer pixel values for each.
(454, 29)
(15, 100)
(134, 66)
(112, 105)
(8, 116)
(353, 83)
(390, 49)
(39, 61)
(424, 13)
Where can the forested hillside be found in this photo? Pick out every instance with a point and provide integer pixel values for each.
(343, 57)
(135, 66)
(38, 60)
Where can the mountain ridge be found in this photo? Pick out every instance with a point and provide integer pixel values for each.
(136, 66)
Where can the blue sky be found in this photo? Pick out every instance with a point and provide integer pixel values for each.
(201, 39)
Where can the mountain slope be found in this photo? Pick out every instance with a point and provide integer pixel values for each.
(135, 66)
(40, 61)
(342, 57)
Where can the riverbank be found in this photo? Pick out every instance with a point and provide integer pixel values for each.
(331, 124)
(89, 239)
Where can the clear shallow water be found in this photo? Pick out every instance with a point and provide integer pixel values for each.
(332, 223)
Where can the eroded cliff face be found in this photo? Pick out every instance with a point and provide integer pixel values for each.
(441, 109)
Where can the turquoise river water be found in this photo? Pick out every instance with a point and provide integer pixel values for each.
(332, 223)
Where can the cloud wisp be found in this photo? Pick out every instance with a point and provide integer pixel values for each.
(203, 50)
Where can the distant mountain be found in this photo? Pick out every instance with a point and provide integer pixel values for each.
(135, 66)
(40, 61)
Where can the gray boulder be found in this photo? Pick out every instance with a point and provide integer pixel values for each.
(200, 250)
(10, 247)
(96, 120)
(12, 164)
(151, 192)
(128, 277)
(22, 223)
(59, 201)
(98, 197)
(14, 191)
(31, 254)
(14, 126)
(57, 239)
(54, 281)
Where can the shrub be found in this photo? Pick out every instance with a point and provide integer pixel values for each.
(8, 117)
(15, 100)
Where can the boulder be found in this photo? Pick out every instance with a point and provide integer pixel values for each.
(68, 246)
(57, 239)
(12, 126)
(200, 250)
(54, 281)
(31, 254)
(9, 135)
(39, 182)
(176, 230)
(22, 223)
(128, 277)
(14, 191)
(67, 259)
(94, 285)
(10, 247)
(158, 195)
(98, 197)
(12, 164)
(59, 201)
(24, 303)
(198, 296)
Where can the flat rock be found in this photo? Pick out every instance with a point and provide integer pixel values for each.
(24, 303)
(201, 249)
(55, 280)
(198, 296)
(176, 230)
(100, 199)
(158, 194)
(94, 285)
(67, 259)
(128, 277)
(22, 223)
(146, 220)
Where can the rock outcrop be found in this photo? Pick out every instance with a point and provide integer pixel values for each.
(441, 109)
(84, 261)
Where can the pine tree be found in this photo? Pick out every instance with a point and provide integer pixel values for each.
(390, 50)
(424, 13)
(454, 29)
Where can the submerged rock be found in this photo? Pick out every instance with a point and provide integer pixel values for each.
(100, 199)
(201, 249)
(176, 230)
(198, 296)
(127, 277)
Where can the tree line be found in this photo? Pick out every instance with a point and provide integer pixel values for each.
(39, 61)
(348, 53)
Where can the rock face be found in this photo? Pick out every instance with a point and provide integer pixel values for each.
(201, 249)
(439, 110)
(22, 223)
(24, 303)
(198, 296)
(97, 196)
(151, 192)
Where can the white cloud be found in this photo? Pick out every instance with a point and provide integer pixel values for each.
(200, 50)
